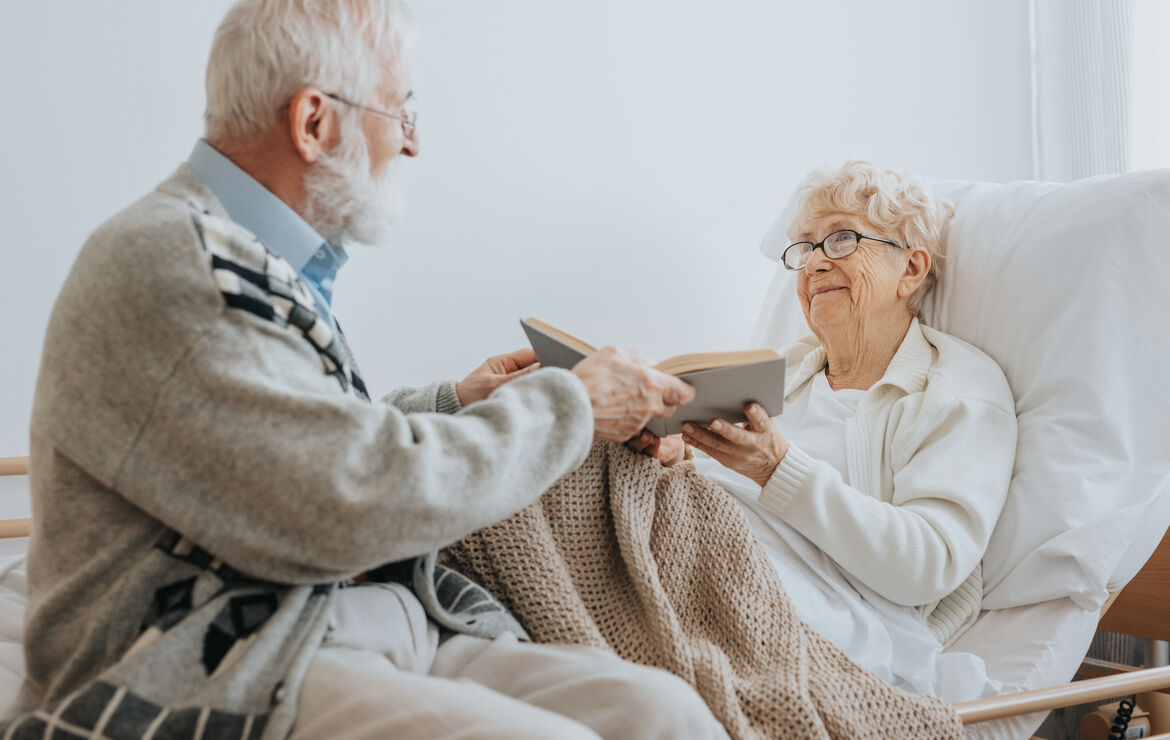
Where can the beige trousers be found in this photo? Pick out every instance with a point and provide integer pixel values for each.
(382, 673)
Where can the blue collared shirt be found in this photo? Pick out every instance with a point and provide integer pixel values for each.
(282, 230)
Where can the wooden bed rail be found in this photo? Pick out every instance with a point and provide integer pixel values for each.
(1081, 692)
(13, 466)
(10, 528)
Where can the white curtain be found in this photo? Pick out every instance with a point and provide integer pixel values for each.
(1101, 87)
(1081, 70)
(1149, 130)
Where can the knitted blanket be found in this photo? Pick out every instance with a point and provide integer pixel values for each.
(660, 566)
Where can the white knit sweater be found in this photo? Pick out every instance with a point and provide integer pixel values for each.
(929, 456)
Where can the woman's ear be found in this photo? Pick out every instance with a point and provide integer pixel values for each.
(917, 268)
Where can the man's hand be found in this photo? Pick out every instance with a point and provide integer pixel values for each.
(625, 392)
(754, 450)
(666, 450)
(493, 373)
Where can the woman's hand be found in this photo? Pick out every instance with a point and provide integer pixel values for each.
(666, 450)
(754, 450)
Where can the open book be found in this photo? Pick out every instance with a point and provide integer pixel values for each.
(724, 382)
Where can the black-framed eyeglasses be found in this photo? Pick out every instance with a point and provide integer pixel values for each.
(838, 245)
(406, 120)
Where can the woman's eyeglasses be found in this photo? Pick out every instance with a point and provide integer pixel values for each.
(838, 245)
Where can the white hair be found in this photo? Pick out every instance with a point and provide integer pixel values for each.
(265, 51)
(898, 203)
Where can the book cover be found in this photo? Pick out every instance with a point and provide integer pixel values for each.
(724, 382)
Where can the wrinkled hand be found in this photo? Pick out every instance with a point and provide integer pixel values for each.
(754, 450)
(493, 373)
(625, 392)
(666, 450)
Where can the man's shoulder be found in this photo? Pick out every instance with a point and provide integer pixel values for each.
(139, 294)
(179, 219)
(159, 274)
(174, 256)
(149, 284)
(176, 262)
(146, 261)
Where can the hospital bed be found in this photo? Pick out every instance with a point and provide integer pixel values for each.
(1141, 609)
(1068, 288)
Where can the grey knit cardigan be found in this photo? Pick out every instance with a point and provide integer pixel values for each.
(206, 465)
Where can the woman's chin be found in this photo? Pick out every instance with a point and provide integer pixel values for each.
(825, 316)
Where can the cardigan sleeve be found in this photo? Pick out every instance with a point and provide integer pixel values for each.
(923, 544)
(440, 397)
(254, 453)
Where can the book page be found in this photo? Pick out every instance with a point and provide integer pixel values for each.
(690, 363)
(563, 337)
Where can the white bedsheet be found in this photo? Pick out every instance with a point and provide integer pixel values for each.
(886, 638)
(1028, 647)
(1005, 651)
(12, 601)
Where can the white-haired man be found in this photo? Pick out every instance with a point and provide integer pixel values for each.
(230, 540)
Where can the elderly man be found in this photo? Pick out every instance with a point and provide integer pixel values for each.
(230, 539)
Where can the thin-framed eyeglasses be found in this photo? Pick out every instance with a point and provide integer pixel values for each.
(838, 245)
(407, 119)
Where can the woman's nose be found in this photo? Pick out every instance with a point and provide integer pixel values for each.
(818, 261)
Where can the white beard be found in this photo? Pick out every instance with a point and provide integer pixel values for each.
(343, 201)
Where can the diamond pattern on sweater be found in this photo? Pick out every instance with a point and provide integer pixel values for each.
(255, 279)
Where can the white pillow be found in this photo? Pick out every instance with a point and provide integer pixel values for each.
(1068, 288)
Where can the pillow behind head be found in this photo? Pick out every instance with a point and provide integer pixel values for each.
(1068, 288)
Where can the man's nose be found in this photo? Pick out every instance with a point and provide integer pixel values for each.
(410, 143)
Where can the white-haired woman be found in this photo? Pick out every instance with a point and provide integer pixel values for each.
(896, 445)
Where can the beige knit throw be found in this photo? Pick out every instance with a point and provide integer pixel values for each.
(660, 566)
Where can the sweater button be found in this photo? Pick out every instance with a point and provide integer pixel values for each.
(278, 693)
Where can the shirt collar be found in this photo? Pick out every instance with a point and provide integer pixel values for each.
(911, 363)
(254, 207)
(907, 370)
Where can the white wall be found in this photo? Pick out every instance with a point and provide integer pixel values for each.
(608, 166)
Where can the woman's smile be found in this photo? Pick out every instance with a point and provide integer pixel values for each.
(827, 289)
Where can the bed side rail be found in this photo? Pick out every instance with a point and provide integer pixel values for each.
(13, 527)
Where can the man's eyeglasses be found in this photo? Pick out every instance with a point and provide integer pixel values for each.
(838, 245)
(406, 120)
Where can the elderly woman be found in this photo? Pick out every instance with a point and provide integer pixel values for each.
(896, 444)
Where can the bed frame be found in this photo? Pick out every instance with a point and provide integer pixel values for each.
(1141, 609)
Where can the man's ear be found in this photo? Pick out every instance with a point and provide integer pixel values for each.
(312, 124)
(917, 268)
